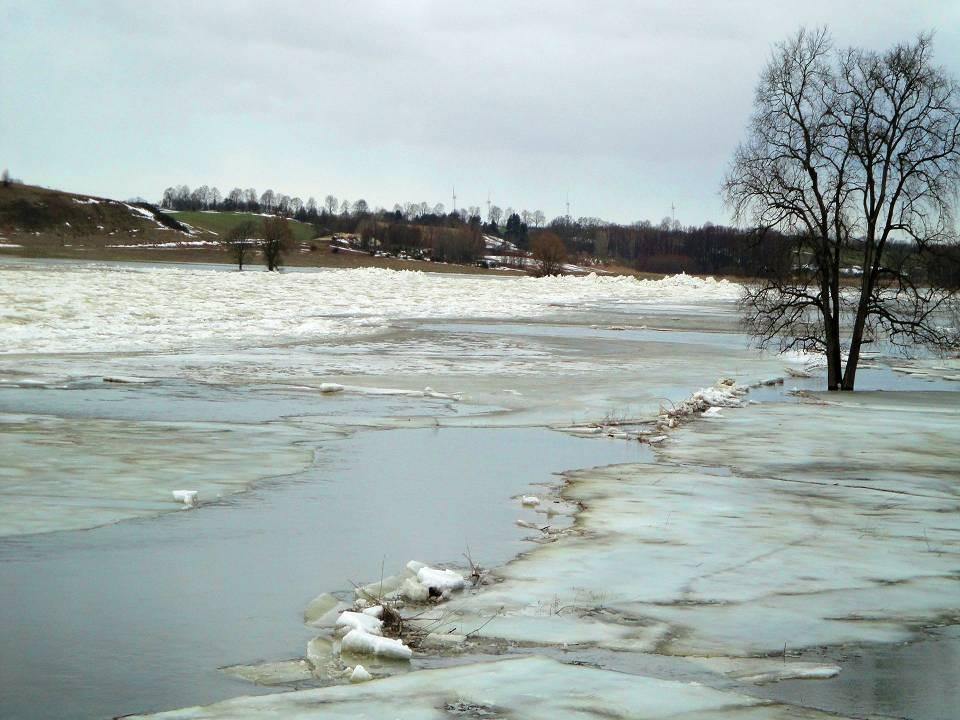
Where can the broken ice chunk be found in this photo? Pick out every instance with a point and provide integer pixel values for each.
(439, 581)
(350, 620)
(358, 641)
(187, 497)
(360, 674)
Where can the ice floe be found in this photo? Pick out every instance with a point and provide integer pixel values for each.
(536, 688)
(837, 536)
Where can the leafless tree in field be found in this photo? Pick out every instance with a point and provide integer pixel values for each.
(856, 154)
(549, 254)
(276, 237)
(241, 241)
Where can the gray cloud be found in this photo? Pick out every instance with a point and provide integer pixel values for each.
(628, 106)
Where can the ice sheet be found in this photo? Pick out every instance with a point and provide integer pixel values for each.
(73, 473)
(87, 308)
(532, 687)
(840, 536)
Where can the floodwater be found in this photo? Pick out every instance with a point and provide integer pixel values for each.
(138, 616)
(918, 680)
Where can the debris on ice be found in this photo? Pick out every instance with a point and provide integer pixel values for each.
(530, 500)
(329, 388)
(444, 641)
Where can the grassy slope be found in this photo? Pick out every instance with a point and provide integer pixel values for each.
(35, 219)
(221, 223)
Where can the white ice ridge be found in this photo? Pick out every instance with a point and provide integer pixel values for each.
(92, 308)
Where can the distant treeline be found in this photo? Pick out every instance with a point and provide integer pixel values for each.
(665, 247)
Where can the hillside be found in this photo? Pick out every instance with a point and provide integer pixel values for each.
(38, 222)
(206, 222)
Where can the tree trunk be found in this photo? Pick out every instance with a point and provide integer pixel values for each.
(856, 339)
(832, 330)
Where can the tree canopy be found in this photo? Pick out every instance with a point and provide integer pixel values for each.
(856, 155)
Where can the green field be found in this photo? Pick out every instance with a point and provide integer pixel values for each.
(222, 222)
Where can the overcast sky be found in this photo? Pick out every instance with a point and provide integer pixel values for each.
(628, 107)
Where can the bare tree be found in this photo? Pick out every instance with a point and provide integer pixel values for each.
(856, 154)
(539, 218)
(549, 254)
(276, 237)
(360, 208)
(345, 208)
(330, 204)
(241, 241)
(493, 217)
(267, 201)
(6, 178)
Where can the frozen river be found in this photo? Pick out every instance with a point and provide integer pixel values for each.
(121, 383)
